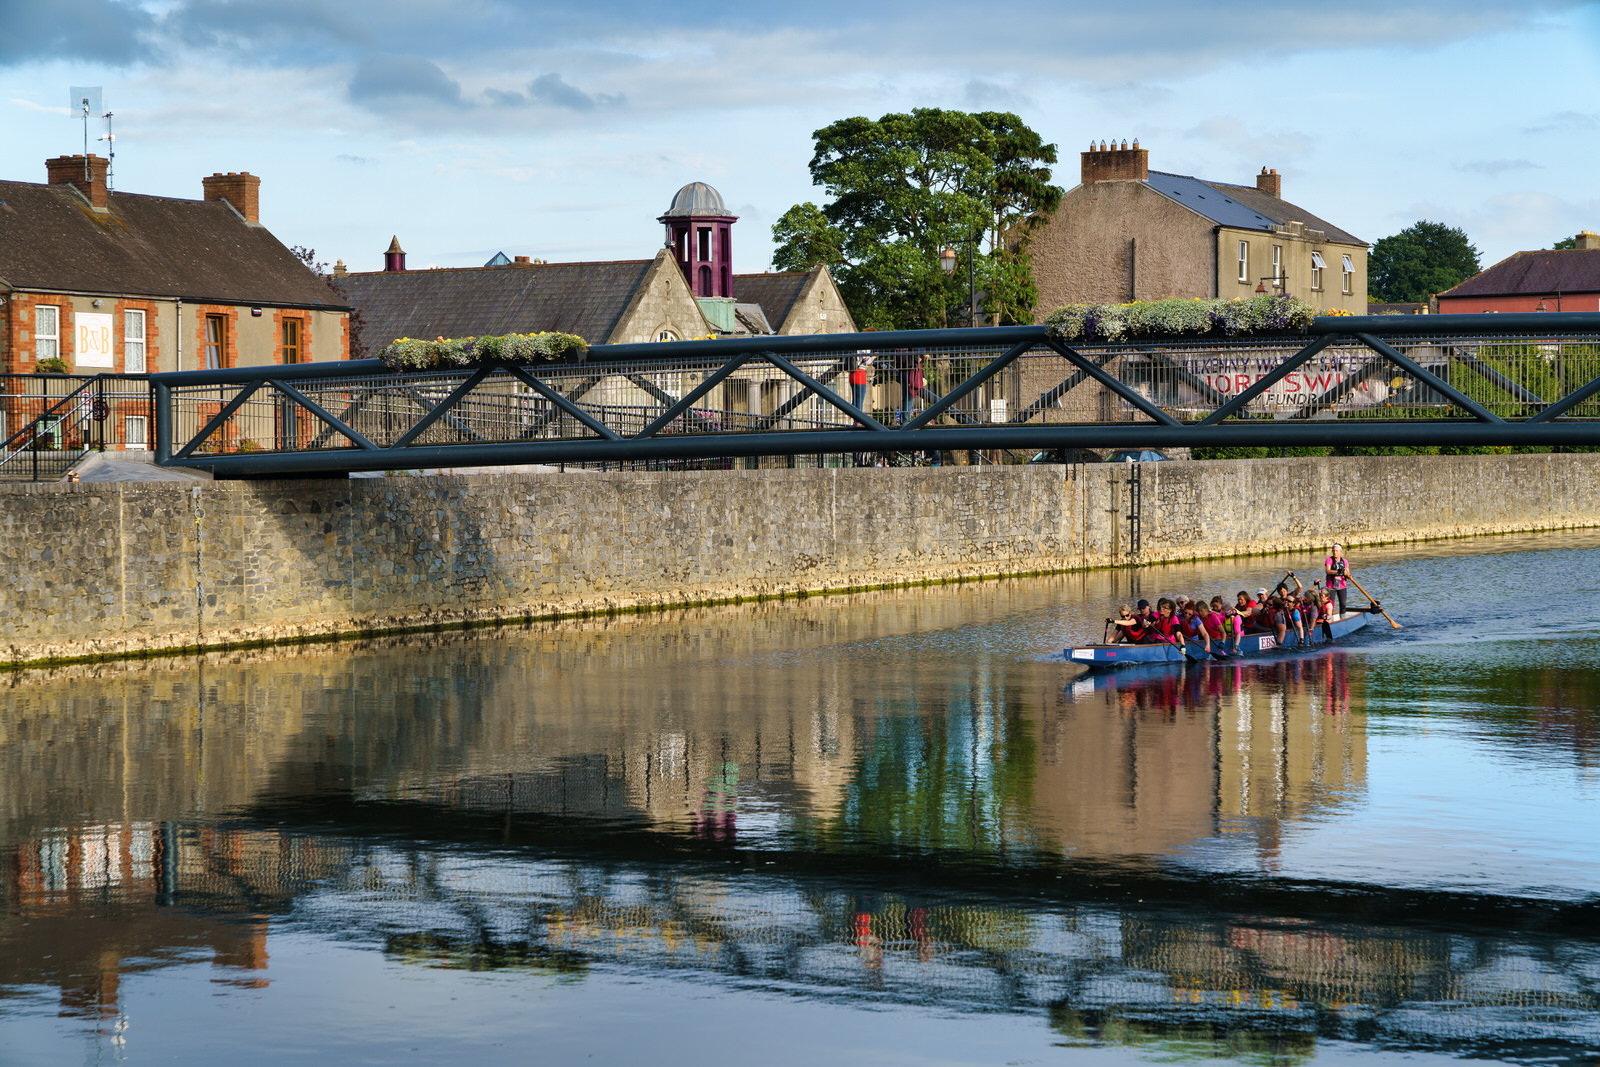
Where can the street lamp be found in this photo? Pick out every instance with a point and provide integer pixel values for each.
(947, 263)
(1279, 282)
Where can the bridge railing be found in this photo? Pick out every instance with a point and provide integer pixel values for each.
(1531, 379)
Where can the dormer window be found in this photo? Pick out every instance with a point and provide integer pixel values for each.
(1317, 266)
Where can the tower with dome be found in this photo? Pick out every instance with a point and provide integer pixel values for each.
(700, 234)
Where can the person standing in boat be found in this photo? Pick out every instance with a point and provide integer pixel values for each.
(1337, 568)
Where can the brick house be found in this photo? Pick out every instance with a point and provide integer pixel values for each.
(1547, 280)
(127, 283)
(1126, 232)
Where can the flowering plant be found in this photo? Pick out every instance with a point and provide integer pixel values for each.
(1166, 318)
(411, 354)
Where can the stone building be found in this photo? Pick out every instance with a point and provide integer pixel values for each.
(1126, 232)
(1565, 279)
(688, 290)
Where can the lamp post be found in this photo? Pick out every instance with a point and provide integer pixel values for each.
(947, 262)
(1279, 282)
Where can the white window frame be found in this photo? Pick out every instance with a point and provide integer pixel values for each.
(1317, 267)
(1349, 275)
(139, 441)
(42, 336)
(1244, 262)
(133, 361)
(1277, 265)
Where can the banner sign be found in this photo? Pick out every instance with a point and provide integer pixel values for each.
(1340, 382)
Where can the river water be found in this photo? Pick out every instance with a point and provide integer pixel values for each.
(895, 827)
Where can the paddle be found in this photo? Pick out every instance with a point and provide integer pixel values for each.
(1368, 595)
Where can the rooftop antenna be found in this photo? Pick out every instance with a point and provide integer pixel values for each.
(111, 153)
(85, 102)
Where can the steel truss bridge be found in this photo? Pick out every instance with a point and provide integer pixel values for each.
(1448, 380)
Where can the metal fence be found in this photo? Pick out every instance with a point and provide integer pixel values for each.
(1491, 380)
(49, 422)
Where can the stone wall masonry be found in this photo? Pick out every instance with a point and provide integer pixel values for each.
(110, 569)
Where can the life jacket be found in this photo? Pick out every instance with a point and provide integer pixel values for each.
(1344, 565)
(1214, 624)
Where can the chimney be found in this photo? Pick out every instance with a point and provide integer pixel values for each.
(1270, 182)
(69, 170)
(339, 269)
(241, 190)
(1102, 164)
(394, 260)
(522, 261)
(1587, 239)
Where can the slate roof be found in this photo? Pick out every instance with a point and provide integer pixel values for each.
(587, 299)
(751, 319)
(1572, 270)
(1240, 206)
(200, 251)
(776, 293)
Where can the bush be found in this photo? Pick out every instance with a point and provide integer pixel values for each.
(411, 354)
(1278, 313)
(53, 365)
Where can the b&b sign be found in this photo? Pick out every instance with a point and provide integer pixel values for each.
(94, 347)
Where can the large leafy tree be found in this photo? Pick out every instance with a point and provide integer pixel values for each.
(906, 186)
(1420, 261)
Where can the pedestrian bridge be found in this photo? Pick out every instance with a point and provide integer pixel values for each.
(1449, 380)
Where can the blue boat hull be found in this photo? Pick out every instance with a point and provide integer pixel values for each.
(1105, 657)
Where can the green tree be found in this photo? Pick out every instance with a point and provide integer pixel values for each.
(1420, 261)
(906, 186)
(1565, 244)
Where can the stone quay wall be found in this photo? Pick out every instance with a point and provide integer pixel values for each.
(109, 569)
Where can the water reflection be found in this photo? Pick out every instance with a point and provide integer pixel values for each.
(881, 801)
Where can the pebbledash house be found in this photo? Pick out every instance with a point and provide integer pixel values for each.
(115, 282)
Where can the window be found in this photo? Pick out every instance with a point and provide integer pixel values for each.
(133, 433)
(1349, 275)
(1277, 265)
(1317, 266)
(705, 244)
(666, 335)
(46, 332)
(133, 342)
(1244, 261)
(291, 341)
(705, 281)
(216, 342)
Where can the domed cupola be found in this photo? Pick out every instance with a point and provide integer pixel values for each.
(700, 234)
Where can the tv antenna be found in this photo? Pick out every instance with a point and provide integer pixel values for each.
(87, 100)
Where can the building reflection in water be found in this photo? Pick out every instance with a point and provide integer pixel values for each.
(559, 802)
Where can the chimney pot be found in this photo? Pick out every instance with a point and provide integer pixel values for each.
(242, 191)
(69, 170)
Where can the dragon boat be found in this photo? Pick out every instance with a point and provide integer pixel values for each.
(1106, 657)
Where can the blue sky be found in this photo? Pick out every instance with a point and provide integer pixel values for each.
(562, 130)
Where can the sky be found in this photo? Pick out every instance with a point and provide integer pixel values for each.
(560, 131)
